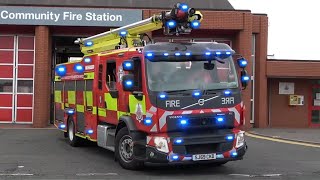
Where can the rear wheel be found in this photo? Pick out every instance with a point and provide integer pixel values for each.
(73, 139)
(124, 151)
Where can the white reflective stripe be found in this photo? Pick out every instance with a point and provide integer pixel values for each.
(186, 112)
(163, 118)
(154, 128)
(148, 139)
(149, 115)
(201, 112)
(241, 104)
(236, 114)
(216, 110)
(153, 109)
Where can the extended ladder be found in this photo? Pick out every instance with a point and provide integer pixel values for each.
(180, 20)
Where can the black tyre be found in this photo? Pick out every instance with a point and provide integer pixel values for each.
(73, 139)
(124, 151)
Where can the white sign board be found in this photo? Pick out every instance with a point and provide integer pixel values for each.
(60, 16)
(316, 102)
(286, 88)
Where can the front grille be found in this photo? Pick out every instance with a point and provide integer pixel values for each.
(201, 148)
(202, 121)
(208, 148)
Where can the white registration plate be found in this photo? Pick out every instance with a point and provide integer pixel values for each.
(201, 157)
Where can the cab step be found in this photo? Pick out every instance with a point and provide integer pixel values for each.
(106, 137)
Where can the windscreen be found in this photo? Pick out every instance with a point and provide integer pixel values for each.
(189, 75)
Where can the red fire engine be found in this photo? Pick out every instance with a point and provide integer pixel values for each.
(154, 102)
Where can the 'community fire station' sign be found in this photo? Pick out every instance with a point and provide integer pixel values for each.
(68, 16)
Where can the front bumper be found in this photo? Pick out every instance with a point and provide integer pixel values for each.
(154, 156)
(192, 145)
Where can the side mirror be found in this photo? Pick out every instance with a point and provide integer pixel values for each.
(128, 82)
(208, 66)
(128, 65)
(244, 79)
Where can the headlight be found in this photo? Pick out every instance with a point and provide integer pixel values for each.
(161, 144)
(240, 139)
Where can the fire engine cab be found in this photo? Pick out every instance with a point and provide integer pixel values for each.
(154, 102)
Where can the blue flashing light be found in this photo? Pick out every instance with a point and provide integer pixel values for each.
(220, 119)
(208, 53)
(70, 112)
(166, 54)
(87, 60)
(218, 53)
(227, 92)
(62, 126)
(149, 54)
(175, 157)
(123, 33)
(89, 131)
(147, 121)
(88, 43)
(196, 93)
(230, 137)
(163, 95)
(195, 24)
(171, 24)
(178, 141)
(177, 54)
(228, 53)
(184, 7)
(129, 83)
(245, 78)
(128, 64)
(242, 62)
(183, 122)
(234, 154)
(188, 54)
(78, 68)
(61, 70)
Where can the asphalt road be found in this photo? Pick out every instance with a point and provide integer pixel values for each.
(45, 154)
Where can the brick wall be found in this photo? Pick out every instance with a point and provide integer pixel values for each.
(42, 77)
(261, 95)
(281, 114)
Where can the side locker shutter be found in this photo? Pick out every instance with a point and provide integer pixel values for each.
(80, 88)
(89, 97)
(58, 101)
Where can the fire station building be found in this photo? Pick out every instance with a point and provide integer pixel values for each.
(37, 35)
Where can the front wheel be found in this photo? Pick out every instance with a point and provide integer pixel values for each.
(73, 139)
(124, 151)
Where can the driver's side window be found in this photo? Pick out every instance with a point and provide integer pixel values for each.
(111, 74)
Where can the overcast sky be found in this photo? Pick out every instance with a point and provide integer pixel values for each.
(294, 26)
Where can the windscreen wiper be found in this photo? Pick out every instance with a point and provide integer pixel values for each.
(179, 91)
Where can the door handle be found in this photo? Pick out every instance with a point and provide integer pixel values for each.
(89, 108)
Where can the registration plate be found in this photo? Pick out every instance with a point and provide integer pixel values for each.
(201, 157)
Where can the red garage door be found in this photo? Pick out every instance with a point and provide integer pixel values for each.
(16, 79)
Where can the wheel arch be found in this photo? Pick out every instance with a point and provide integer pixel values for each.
(126, 121)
